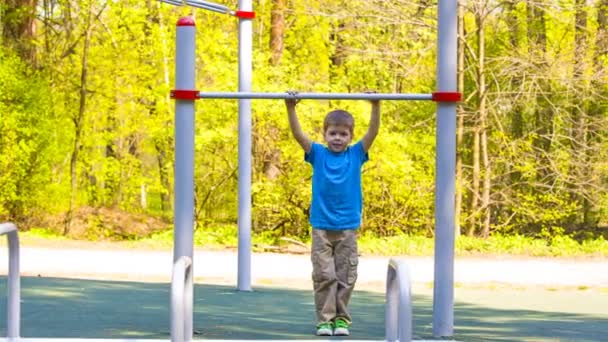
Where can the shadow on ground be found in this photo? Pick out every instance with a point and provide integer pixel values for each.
(56, 307)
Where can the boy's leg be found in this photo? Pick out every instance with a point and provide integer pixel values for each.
(323, 276)
(346, 259)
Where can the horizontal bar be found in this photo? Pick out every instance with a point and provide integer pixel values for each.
(313, 96)
(206, 3)
(173, 2)
(200, 4)
(208, 6)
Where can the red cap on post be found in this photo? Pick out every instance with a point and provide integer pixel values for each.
(244, 14)
(447, 96)
(180, 94)
(186, 21)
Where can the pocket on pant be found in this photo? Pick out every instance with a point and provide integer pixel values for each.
(353, 262)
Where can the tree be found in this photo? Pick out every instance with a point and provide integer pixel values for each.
(543, 123)
(27, 141)
(461, 121)
(18, 27)
(277, 31)
(78, 117)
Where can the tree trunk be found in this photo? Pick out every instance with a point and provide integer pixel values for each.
(339, 54)
(18, 27)
(483, 118)
(78, 120)
(601, 38)
(460, 122)
(163, 143)
(580, 38)
(475, 196)
(277, 31)
(597, 105)
(162, 160)
(517, 121)
(537, 36)
(515, 116)
(580, 148)
(543, 116)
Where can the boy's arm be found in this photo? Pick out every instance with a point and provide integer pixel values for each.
(374, 126)
(296, 129)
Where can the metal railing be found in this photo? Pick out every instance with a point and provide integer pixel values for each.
(13, 308)
(398, 302)
(181, 300)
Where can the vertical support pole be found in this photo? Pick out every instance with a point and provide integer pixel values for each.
(13, 322)
(245, 148)
(445, 173)
(185, 49)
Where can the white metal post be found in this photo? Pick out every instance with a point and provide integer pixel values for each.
(398, 326)
(13, 305)
(445, 172)
(244, 219)
(184, 150)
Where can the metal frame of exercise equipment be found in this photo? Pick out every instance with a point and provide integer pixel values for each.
(185, 94)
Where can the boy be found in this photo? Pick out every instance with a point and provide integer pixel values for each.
(335, 213)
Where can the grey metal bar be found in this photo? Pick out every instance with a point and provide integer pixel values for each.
(173, 2)
(13, 314)
(398, 302)
(181, 300)
(313, 96)
(208, 6)
(200, 4)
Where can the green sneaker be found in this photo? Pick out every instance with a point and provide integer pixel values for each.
(325, 329)
(341, 327)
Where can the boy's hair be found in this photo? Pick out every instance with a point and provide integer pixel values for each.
(339, 117)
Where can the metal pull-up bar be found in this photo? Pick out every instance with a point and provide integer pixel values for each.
(210, 6)
(201, 4)
(196, 95)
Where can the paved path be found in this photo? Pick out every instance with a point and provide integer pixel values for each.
(267, 268)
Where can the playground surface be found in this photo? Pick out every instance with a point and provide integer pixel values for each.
(124, 293)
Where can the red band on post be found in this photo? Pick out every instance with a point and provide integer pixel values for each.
(186, 21)
(447, 96)
(244, 14)
(184, 94)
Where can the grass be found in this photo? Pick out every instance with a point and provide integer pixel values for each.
(559, 246)
(225, 236)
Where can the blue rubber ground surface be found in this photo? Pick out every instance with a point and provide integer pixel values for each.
(56, 307)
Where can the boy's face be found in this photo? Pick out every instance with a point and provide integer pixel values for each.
(337, 137)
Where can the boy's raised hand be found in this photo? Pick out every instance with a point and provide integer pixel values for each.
(374, 124)
(291, 102)
(373, 102)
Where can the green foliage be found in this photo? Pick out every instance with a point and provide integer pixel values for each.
(556, 246)
(545, 183)
(27, 139)
(41, 233)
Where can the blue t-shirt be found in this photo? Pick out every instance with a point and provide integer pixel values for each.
(337, 200)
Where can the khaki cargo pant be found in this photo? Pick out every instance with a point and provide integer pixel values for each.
(334, 272)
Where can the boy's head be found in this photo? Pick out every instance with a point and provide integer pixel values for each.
(339, 117)
(338, 129)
